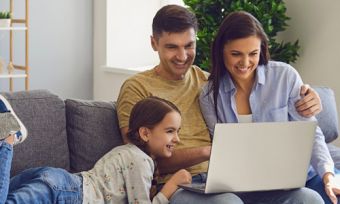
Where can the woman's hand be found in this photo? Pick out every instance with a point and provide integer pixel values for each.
(331, 187)
(310, 103)
(180, 177)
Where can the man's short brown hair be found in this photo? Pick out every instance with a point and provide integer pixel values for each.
(173, 19)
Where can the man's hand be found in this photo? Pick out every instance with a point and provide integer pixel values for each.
(310, 103)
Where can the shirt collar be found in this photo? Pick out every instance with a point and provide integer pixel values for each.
(260, 75)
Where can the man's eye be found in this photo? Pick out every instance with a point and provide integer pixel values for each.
(189, 46)
(253, 54)
(171, 47)
(235, 54)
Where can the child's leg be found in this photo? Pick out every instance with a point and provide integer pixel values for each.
(10, 124)
(45, 185)
(6, 155)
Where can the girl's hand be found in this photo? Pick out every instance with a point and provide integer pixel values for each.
(180, 177)
(331, 187)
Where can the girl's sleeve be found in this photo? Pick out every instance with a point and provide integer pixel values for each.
(138, 177)
(160, 199)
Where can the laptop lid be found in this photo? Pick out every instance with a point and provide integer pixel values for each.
(260, 156)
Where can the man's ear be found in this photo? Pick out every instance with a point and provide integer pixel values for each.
(144, 133)
(153, 43)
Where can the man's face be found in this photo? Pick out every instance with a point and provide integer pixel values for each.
(176, 53)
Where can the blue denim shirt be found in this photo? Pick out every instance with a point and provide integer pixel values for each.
(272, 99)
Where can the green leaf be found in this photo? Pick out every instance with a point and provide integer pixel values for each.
(271, 13)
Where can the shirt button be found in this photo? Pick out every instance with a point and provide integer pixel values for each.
(108, 197)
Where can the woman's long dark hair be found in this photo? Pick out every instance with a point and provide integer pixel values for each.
(148, 113)
(236, 25)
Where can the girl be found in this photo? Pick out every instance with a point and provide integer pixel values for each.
(123, 175)
(244, 86)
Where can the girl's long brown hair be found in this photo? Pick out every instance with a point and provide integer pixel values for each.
(148, 113)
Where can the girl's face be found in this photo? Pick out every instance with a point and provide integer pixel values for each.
(162, 139)
(241, 57)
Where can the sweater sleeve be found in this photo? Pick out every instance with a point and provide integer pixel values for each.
(160, 199)
(321, 159)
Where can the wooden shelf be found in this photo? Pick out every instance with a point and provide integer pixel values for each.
(6, 76)
(17, 71)
(13, 28)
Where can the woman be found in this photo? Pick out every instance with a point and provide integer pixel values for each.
(125, 174)
(244, 86)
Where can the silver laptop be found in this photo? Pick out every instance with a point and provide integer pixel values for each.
(258, 157)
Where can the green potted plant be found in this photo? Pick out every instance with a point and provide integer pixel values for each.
(271, 13)
(5, 18)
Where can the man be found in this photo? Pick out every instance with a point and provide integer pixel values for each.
(179, 81)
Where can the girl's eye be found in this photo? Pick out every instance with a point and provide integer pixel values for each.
(253, 54)
(170, 131)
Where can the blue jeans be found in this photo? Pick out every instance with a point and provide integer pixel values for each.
(183, 196)
(301, 195)
(37, 185)
(316, 184)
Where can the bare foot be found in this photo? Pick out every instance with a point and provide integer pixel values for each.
(10, 139)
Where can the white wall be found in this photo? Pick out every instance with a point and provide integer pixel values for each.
(60, 39)
(129, 25)
(316, 24)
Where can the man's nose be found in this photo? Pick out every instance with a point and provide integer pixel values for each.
(182, 54)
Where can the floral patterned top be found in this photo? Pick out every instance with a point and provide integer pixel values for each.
(123, 175)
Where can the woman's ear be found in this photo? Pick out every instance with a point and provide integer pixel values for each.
(144, 133)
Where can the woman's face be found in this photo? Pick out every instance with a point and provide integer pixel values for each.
(241, 57)
(164, 136)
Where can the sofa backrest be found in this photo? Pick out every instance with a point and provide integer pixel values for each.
(92, 129)
(328, 118)
(43, 114)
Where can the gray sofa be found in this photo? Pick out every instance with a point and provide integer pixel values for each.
(74, 134)
(70, 134)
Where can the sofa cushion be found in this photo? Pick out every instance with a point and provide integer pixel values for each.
(328, 118)
(335, 153)
(43, 114)
(92, 128)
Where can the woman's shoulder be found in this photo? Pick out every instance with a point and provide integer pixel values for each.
(280, 68)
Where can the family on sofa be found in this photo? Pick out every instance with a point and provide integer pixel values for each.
(160, 108)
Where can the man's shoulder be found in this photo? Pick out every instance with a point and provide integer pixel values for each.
(200, 73)
(145, 75)
(139, 81)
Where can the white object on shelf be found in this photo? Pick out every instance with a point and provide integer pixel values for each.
(13, 28)
(5, 23)
(12, 76)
